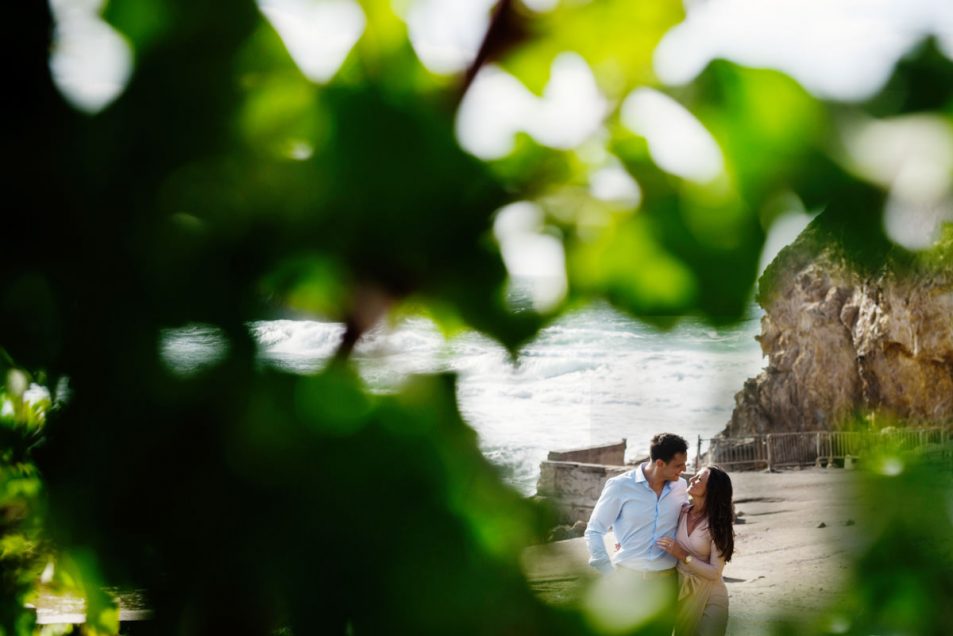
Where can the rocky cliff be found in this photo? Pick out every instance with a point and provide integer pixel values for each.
(851, 331)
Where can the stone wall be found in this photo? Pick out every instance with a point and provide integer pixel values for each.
(612, 454)
(573, 488)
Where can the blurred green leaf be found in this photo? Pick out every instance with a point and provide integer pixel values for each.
(143, 22)
(309, 283)
(22, 549)
(899, 583)
(281, 113)
(627, 265)
(768, 127)
(921, 82)
(616, 38)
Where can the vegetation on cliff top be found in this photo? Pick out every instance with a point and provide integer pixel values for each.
(865, 253)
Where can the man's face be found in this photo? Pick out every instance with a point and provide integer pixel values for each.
(674, 469)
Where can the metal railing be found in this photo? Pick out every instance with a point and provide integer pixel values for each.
(817, 448)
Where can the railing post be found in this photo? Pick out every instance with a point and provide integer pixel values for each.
(698, 455)
(767, 440)
(817, 449)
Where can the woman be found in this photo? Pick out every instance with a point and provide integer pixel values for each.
(703, 543)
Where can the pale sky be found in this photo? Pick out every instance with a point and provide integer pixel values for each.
(839, 49)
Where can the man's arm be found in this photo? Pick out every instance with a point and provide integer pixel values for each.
(603, 517)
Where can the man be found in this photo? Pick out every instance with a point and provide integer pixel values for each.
(641, 507)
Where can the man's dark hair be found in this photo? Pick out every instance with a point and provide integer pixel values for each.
(665, 446)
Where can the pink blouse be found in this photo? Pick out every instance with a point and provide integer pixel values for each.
(707, 561)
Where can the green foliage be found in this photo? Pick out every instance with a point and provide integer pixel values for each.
(22, 554)
(921, 83)
(615, 37)
(902, 567)
(224, 187)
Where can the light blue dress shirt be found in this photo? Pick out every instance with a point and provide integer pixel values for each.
(639, 518)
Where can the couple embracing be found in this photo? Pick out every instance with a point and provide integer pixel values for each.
(672, 539)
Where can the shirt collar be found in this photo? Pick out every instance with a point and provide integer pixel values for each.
(640, 478)
(640, 473)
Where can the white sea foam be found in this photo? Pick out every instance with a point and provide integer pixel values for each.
(190, 348)
(318, 339)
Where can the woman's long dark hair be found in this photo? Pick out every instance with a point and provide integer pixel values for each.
(720, 512)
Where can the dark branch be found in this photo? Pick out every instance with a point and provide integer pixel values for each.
(507, 28)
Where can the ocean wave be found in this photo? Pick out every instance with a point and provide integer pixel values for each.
(594, 376)
(410, 338)
(192, 347)
(306, 337)
(552, 366)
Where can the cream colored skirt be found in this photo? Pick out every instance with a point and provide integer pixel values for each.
(702, 607)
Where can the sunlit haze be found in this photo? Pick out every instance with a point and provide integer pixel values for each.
(446, 34)
(838, 49)
(912, 157)
(498, 106)
(319, 35)
(677, 141)
(531, 254)
(90, 62)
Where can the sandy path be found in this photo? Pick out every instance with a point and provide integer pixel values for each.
(784, 563)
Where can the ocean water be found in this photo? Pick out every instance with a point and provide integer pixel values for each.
(594, 376)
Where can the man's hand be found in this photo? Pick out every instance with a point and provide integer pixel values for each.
(672, 547)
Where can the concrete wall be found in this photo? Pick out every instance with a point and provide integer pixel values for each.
(573, 488)
(610, 454)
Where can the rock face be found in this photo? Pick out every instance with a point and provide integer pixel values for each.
(845, 338)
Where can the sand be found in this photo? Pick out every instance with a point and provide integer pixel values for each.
(784, 564)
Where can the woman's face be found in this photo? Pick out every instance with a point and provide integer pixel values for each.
(698, 484)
